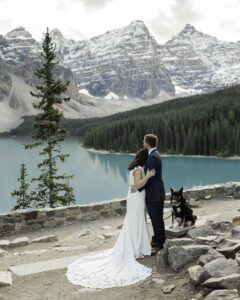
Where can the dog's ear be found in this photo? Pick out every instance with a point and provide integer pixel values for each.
(181, 190)
(172, 191)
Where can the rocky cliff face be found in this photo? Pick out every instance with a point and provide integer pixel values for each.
(199, 61)
(114, 71)
(124, 61)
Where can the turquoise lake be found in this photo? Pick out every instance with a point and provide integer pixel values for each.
(99, 177)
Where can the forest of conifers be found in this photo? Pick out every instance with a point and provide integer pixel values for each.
(207, 124)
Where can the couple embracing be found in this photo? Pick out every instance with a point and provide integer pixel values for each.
(118, 266)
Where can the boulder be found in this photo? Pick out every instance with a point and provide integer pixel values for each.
(222, 267)
(179, 256)
(162, 258)
(230, 252)
(23, 241)
(236, 220)
(223, 295)
(221, 225)
(202, 231)
(198, 274)
(209, 256)
(45, 239)
(236, 232)
(4, 253)
(208, 197)
(4, 244)
(5, 279)
(177, 242)
(207, 240)
(228, 282)
(168, 288)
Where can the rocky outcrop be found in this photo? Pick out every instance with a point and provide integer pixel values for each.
(217, 261)
(223, 295)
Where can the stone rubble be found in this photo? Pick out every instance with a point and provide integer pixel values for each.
(23, 241)
(168, 288)
(4, 253)
(223, 295)
(212, 255)
(198, 274)
(4, 244)
(221, 267)
(5, 279)
(45, 239)
(209, 256)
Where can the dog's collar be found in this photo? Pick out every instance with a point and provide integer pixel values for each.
(176, 204)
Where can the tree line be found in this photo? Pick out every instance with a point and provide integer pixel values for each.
(207, 124)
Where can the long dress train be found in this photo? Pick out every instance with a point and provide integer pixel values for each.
(118, 266)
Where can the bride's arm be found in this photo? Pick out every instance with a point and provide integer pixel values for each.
(138, 180)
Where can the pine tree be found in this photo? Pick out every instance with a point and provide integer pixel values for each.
(22, 196)
(52, 189)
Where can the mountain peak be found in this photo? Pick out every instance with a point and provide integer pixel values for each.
(188, 29)
(19, 32)
(138, 24)
(138, 27)
(56, 32)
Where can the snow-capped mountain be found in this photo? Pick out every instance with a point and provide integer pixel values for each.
(124, 61)
(119, 70)
(199, 61)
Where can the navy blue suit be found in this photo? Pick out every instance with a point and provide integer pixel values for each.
(155, 196)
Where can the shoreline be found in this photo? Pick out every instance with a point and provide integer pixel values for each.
(92, 150)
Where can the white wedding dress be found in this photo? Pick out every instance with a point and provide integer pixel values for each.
(118, 266)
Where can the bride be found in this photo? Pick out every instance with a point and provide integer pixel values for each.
(118, 266)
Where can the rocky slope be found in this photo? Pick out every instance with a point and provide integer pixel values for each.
(199, 61)
(119, 70)
(124, 61)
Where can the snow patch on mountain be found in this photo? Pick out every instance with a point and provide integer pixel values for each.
(111, 96)
(180, 90)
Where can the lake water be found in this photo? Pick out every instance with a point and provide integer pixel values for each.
(99, 177)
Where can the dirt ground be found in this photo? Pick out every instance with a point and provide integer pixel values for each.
(54, 285)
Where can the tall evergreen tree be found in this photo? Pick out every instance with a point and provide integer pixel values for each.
(21, 195)
(52, 189)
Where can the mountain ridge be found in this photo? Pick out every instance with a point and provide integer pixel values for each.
(114, 71)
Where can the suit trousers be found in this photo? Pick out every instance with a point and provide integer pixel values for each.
(155, 211)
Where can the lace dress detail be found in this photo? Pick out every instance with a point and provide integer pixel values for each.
(118, 266)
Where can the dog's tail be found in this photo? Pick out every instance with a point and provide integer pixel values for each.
(195, 218)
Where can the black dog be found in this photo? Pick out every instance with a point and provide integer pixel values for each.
(181, 209)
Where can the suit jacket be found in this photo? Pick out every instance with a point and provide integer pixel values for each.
(155, 190)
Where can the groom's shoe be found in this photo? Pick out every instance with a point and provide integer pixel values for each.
(156, 249)
(153, 244)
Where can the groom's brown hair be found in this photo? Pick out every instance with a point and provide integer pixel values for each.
(151, 140)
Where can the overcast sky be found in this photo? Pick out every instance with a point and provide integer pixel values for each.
(87, 18)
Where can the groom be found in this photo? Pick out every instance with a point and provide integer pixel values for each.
(155, 193)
